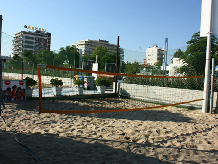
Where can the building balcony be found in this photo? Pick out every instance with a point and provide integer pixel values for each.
(17, 43)
(17, 38)
(26, 43)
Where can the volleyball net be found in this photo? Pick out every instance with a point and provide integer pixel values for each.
(132, 92)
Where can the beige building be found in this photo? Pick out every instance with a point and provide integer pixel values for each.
(33, 41)
(88, 46)
(154, 55)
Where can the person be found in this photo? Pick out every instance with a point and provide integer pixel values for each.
(19, 94)
(14, 93)
(124, 77)
(7, 94)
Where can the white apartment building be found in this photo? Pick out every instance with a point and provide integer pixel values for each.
(154, 55)
(33, 41)
(88, 46)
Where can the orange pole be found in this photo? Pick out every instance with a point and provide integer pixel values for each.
(40, 90)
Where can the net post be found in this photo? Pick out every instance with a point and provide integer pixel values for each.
(40, 86)
(212, 84)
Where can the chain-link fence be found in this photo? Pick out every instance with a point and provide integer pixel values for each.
(7, 44)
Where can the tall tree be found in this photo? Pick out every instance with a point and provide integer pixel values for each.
(195, 55)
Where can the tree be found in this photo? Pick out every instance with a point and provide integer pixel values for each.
(158, 63)
(45, 57)
(29, 57)
(103, 57)
(195, 55)
(14, 62)
(68, 54)
(132, 68)
(178, 54)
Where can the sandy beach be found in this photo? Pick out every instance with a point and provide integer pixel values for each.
(163, 135)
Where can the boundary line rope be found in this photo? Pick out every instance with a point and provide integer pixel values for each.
(115, 74)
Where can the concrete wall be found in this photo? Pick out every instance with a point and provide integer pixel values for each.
(44, 79)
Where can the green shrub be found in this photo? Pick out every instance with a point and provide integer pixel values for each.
(30, 82)
(103, 81)
(56, 82)
(78, 81)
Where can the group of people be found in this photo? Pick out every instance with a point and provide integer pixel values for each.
(15, 94)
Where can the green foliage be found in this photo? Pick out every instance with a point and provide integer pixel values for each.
(158, 63)
(30, 82)
(103, 57)
(29, 57)
(156, 70)
(15, 62)
(45, 57)
(56, 82)
(78, 81)
(103, 81)
(195, 55)
(132, 68)
(178, 54)
(68, 55)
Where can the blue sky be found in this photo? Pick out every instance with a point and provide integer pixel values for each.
(139, 23)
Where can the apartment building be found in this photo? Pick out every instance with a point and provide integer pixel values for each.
(33, 41)
(88, 46)
(154, 54)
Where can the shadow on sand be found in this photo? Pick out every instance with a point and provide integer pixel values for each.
(54, 149)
